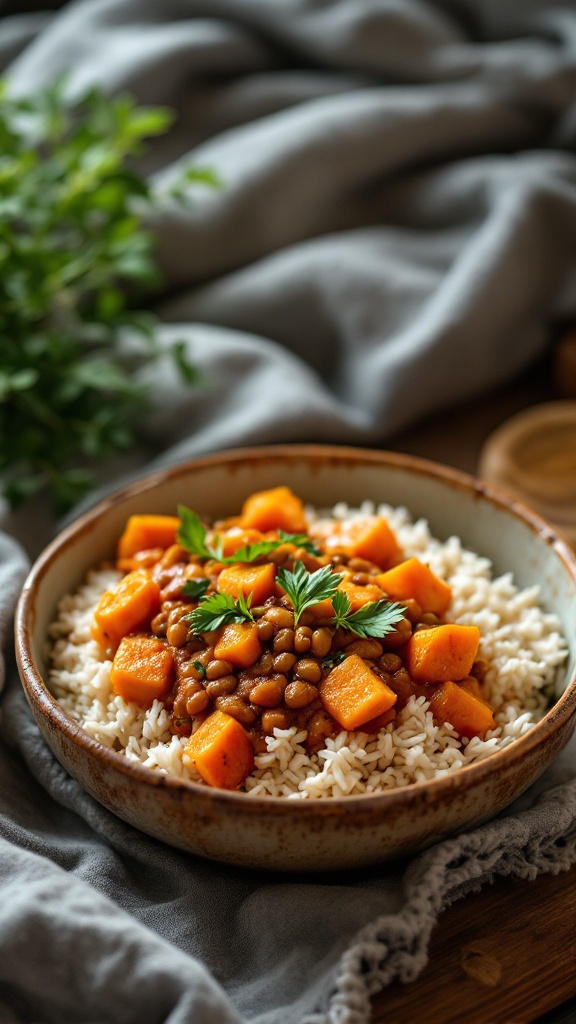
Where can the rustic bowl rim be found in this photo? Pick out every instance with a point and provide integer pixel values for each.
(429, 791)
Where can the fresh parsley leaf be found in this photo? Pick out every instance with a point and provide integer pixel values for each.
(219, 610)
(307, 588)
(195, 589)
(299, 540)
(192, 533)
(374, 619)
(250, 552)
(341, 606)
(261, 548)
(192, 536)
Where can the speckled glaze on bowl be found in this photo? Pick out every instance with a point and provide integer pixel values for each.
(301, 835)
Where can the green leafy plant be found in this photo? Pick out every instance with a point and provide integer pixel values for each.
(192, 536)
(219, 610)
(374, 619)
(308, 588)
(75, 259)
(196, 589)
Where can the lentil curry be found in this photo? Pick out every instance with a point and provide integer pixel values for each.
(265, 621)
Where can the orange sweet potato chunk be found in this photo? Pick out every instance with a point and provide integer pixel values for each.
(130, 606)
(442, 653)
(353, 695)
(468, 715)
(414, 579)
(360, 595)
(246, 579)
(238, 643)
(275, 509)
(368, 537)
(221, 751)
(235, 538)
(142, 669)
(147, 531)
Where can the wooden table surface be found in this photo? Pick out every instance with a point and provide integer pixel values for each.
(506, 955)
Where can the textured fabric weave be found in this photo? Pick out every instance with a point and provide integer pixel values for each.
(396, 232)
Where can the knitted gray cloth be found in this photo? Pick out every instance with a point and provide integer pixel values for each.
(399, 201)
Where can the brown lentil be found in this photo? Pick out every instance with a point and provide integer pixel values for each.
(274, 719)
(302, 639)
(191, 670)
(282, 618)
(308, 669)
(413, 610)
(284, 640)
(265, 664)
(217, 668)
(225, 684)
(390, 662)
(299, 694)
(321, 642)
(400, 634)
(197, 702)
(366, 648)
(284, 661)
(177, 634)
(232, 705)
(430, 619)
(265, 630)
(268, 693)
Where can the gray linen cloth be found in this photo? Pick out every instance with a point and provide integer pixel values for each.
(396, 231)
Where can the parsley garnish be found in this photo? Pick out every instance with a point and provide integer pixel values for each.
(195, 589)
(192, 536)
(192, 533)
(249, 552)
(219, 610)
(307, 588)
(374, 619)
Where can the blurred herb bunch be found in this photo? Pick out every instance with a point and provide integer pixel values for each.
(75, 260)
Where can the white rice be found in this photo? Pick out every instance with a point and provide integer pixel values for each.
(522, 644)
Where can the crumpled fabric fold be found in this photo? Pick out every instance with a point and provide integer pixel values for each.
(394, 234)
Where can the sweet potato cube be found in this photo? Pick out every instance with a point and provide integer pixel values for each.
(235, 538)
(130, 606)
(368, 537)
(373, 540)
(360, 595)
(245, 579)
(147, 531)
(415, 579)
(353, 695)
(238, 643)
(221, 751)
(471, 685)
(468, 715)
(275, 509)
(442, 653)
(142, 669)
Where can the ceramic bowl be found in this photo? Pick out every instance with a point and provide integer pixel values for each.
(302, 835)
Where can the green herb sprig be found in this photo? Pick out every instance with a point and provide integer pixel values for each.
(75, 259)
(219, 610)
(374, 619)
(192, 535)
(196, 589)
(308, 588)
